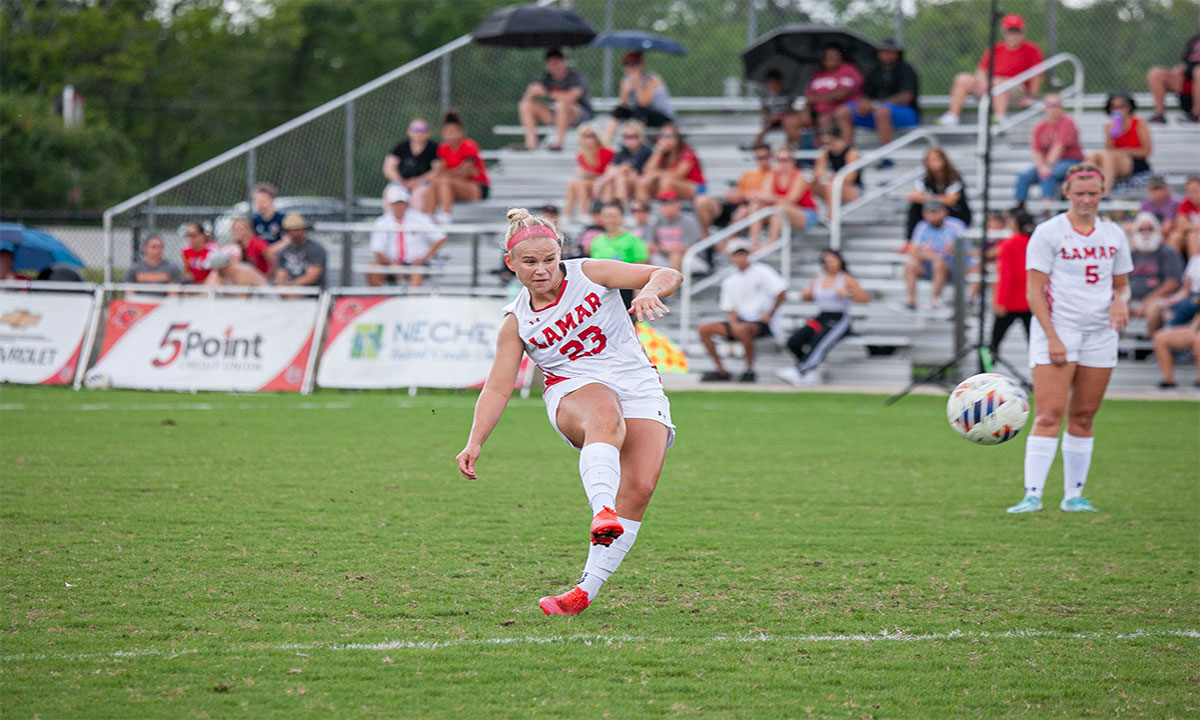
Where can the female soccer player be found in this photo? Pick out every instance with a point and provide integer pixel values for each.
(602, 395)
(1078, 284)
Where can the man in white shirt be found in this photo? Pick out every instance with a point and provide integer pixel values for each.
(402, 236)
(750, 296)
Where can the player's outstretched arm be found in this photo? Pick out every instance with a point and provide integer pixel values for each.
(494, 396)
(654, 283)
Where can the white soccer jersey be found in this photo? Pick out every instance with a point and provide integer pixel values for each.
(585, 333)
(1081, 268)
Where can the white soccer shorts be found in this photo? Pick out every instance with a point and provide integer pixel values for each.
(652, 405)
(1097, 348)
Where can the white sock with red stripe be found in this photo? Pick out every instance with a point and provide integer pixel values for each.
(1077, 459)
(600, 471)
(603, 561)
(1039, 456)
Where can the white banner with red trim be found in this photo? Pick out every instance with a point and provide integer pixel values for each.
(207, 344)
(41, 334)
(392, 342)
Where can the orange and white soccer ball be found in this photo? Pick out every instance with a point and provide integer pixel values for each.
(988, 408)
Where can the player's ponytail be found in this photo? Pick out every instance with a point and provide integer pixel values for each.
(1082, 170)
(524, 225)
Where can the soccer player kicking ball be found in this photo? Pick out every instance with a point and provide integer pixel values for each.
(1078, 285)
(602, 395)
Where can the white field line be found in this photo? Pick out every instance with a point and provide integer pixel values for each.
(589, 639)
(434, 403)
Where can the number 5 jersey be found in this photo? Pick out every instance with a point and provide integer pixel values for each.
(1081, 267)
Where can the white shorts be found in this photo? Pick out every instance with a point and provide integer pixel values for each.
(1097, 348)
(642, 406)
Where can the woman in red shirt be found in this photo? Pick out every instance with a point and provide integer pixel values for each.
(459, 174)
(1127, 143)
(1009, 303)
(254, 249)
(787, 189)
(672, 166)
(593, 159)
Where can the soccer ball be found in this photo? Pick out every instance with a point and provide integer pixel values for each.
(97, 380)
(988, 408)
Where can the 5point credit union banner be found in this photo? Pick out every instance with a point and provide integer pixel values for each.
(208, 344)
(390, 342)
(41, 334)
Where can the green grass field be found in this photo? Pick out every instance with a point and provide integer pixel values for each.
(806, 555)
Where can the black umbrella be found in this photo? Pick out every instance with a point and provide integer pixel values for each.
(533, 26)
(795, 51)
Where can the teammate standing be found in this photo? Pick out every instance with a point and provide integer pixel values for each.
(602, 395)
(1078, 287)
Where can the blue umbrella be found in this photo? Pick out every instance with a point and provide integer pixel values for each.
(638, 40)
(34, 249)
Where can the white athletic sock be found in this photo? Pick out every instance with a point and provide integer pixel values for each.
(603, 561)
(1039, 456)
(1077, 458)
(600, 471)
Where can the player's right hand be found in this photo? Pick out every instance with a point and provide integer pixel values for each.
(1058, 352)
(466, 461)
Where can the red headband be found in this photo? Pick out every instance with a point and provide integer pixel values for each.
(1083, 173)
(528, 233)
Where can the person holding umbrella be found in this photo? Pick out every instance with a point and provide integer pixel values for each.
(644, 97)
(831, 91)
(569, 103)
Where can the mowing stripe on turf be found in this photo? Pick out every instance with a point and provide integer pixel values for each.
(589, 639)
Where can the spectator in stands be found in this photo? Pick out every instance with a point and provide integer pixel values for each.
(591, 162)
(778, 111)
(941, 182)
(831, 91)
(1054, 143)
(1187, 222)
(643, 97)
(640, 210)
(228, 269)
(1183, 80)
(1162, 203)
(1182, 306)
(787, 189)
(591, 230)
(254, 249)
(836, 153)
(931, 251)
(567, 92)
(672, 166)
(1014, 56)
(1170, 339)
(410, 164)
(1009, 302)
(153, 268)
(1157, 269)
(404, 236)
(735, 204)
(267, 220)
(459, 174)
(301, 262)
(672, 232)
(750, 297)
(7, 258)
(1127, 143)
(833, 291)
(620, 178)
(891, 96)
(196, 251)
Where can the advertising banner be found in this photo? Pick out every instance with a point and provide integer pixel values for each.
(207, 344)
(41, 334)
(390, 342)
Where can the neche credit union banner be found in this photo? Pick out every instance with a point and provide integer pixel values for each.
(41, 334)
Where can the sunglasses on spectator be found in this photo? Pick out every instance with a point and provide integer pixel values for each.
(632, 136)
(589, 135)
(418, 128)
(639, 208)
(763, 158)
(1016, 31)
(1146, 229)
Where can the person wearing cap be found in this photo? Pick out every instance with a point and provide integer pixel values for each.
(1014, 55)
(569, 105)
(1127, 143)
(1054, 143)
(1162, 203)
(931, 251)
(831, 90)
(402, 236)
(672, 232)
(890, 92)
(750, 297)
(410, 163)
(643, 97)
(300, 262)
(199, 245)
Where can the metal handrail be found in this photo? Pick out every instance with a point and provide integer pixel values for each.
(982, 128)
(211, 290)
(783, 244)
(49, 285)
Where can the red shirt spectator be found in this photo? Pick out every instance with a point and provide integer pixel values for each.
(1013, 61)
(1010, 274)
(844, 75)
(194, 260)
(695, 175)
(1046, 133)
(603, 157)
(254, 248)
(467, 151)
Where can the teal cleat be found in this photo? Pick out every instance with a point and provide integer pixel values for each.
(1031, 503)
(1079, 504)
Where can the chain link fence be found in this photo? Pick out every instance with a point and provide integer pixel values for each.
(328, 162)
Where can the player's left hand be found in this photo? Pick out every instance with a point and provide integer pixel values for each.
(1118, 314)
(648, 307)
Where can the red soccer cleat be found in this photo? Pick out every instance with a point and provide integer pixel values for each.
(606, 527)
(569, 603)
